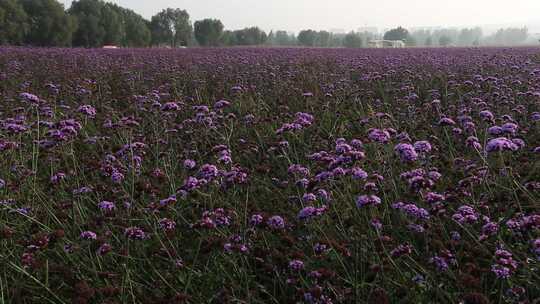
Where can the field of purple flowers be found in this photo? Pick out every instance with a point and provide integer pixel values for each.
(270, 176)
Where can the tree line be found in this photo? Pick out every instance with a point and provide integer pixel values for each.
(95, 23)
(460, 37)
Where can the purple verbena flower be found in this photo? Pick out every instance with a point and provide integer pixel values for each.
(135, 233)
(88, 235)
(406, 152)
(87, 110)
(107, 206)
(276, 222)
(422, 146)
(378, 135)
(189, 164)
(366, 200)
(501, 144)
(296, 265)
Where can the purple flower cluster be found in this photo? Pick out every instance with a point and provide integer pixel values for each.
(107, 206)
(367, 200)
(87, 110)
(419, 179)
(135, 233)
(501, 144)
(276, 222)
(524, 223)
(220, 104)
(443, 261)
(88, 235)
(412, 210)
(296, 265)
(166, 224)
(504, 265)
(298, 170)
(215, 218)
(310, 211)
(466, 215)
(378, 135)
(422, 146)
(28, 97)
(406, 152)
(400, 250)
(302, 120)
(189, 164)
(535, 244)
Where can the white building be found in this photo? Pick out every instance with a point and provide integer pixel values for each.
(395, 44)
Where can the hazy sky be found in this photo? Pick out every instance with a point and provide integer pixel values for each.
(294, 15)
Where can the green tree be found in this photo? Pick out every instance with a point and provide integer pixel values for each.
(421, 36)
(208, 32)
(13, 22)
(283, 38)
(451, 35)
(49, 25)
(103, 23)
(337, 39)
(228, 38)
(352, 40)
(112, 22)
(91, 30)
(323, 39)
(398, 33)
(508, 36)
(410, 41)
(250, 36)
(271, 38)
(445, 40)
(171, 27)
(307, 37)
(137, 32)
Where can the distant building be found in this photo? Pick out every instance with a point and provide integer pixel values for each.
(395, 44)
(110, 47)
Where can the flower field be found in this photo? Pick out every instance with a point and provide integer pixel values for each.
(270, 176)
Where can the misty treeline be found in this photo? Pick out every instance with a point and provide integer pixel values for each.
(95, 23)
(467, 37)
(421, 38)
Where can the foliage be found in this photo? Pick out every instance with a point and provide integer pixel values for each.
(508, 36)
(323, 39)
(102, 23)
(137, 31)
(91, 31)
(249, 36)
(307, 37)
(445, 40)
(398, 33)
(228, 38)
(468, 37)
(208, 32)
(48, 23)
(13, 22)
(352, 40)
(171, 27)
